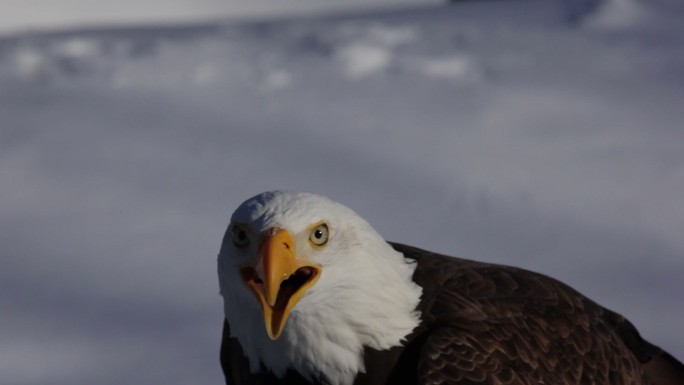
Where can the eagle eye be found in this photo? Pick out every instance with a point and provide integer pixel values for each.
(240, 238)
(319, 235)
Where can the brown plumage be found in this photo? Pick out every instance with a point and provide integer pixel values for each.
(491, 324)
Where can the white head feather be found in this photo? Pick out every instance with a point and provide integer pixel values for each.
(365, 296)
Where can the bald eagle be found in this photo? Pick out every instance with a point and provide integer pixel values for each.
(314, 295)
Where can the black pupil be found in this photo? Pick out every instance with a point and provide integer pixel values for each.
(239, 234)
(318, 234)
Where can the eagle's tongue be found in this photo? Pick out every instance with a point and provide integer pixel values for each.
(290, 286)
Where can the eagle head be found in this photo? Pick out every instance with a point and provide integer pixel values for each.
(307, 284)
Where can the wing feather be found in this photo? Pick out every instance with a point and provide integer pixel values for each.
(493, 324)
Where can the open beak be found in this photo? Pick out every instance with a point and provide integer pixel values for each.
(279, 279)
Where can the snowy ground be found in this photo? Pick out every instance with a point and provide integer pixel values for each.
(523, 132)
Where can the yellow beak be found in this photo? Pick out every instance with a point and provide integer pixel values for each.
(279, 279)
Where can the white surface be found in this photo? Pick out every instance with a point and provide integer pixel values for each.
(30, 15)
(497, 131)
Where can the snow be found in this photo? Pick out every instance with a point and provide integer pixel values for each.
(616, 14)
(361, 60)
(452, 67)
(525, 133)
(29, 63)
(42, 15)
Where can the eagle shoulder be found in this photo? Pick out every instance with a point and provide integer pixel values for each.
(488, 324)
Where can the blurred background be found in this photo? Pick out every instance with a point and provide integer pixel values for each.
(547, 134)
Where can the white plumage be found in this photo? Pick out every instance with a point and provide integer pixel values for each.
(364, 297)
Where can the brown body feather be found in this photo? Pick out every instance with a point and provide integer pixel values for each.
(492, 324)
